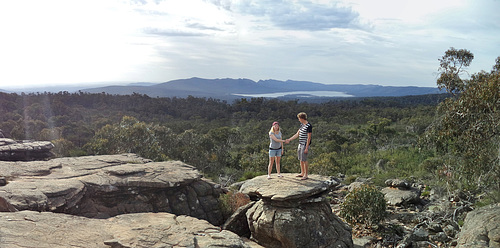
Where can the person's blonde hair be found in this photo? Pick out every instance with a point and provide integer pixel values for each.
(272, 129)
(302, 115)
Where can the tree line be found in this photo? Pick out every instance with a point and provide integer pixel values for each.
(213, 135)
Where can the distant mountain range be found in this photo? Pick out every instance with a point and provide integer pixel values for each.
(230, 89)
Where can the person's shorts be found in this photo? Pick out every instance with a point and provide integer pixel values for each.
(274, 153)
(300, 152)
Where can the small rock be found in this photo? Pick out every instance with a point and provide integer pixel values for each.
(420, 235)
(435, 227)
(439, 237)
(365, 241)
(397, 183)
(423, 244)
(450, 230)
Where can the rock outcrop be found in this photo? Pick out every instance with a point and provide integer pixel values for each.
(288, 212)
(11, 150)
(54, 230)
(481, 228)
(110, 185)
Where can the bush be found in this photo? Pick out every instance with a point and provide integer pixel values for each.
(489, 198)
(231, 201)
(62, 147)
(364, 205)
(251, 174)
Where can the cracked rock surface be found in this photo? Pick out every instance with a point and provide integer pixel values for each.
(110, 185)
(54, 230)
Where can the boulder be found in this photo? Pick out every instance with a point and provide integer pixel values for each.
(238, 223)
(355, 185)
(311, 225)
(290, 212)
(54, 230)
(110, 185)
(11, 150)
(401, 196)
(5, 206)
(481, 228)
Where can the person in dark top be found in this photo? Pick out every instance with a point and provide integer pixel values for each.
(304, 148)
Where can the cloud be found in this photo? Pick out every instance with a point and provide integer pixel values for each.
(170, 32)
(201, 26)
(390, 42)
(313, 17)
(296, 15)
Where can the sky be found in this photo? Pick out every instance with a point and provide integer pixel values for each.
(383, 42)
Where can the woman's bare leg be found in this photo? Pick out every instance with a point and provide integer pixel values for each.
(270, 166)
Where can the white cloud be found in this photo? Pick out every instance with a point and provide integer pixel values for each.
(296, 15)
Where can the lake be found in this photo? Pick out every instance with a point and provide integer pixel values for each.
(301, 93)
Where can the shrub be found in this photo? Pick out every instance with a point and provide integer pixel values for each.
(62, 147)
(491, 197)
(231, 201)
(364, 205)
(251, 174)
(350, 179)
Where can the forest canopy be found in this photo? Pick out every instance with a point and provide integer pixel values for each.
(219, 137)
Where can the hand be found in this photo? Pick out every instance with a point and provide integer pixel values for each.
(287, 141)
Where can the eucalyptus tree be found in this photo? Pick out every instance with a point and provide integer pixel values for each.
(467, 128)
(132, 136)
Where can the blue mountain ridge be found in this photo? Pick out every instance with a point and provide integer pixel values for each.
(231, 89)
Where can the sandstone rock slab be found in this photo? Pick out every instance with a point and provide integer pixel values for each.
(288, 188)
(109, 185)
(11, 150)
(53, 230)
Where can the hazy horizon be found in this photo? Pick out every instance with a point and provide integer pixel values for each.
(82, 86)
